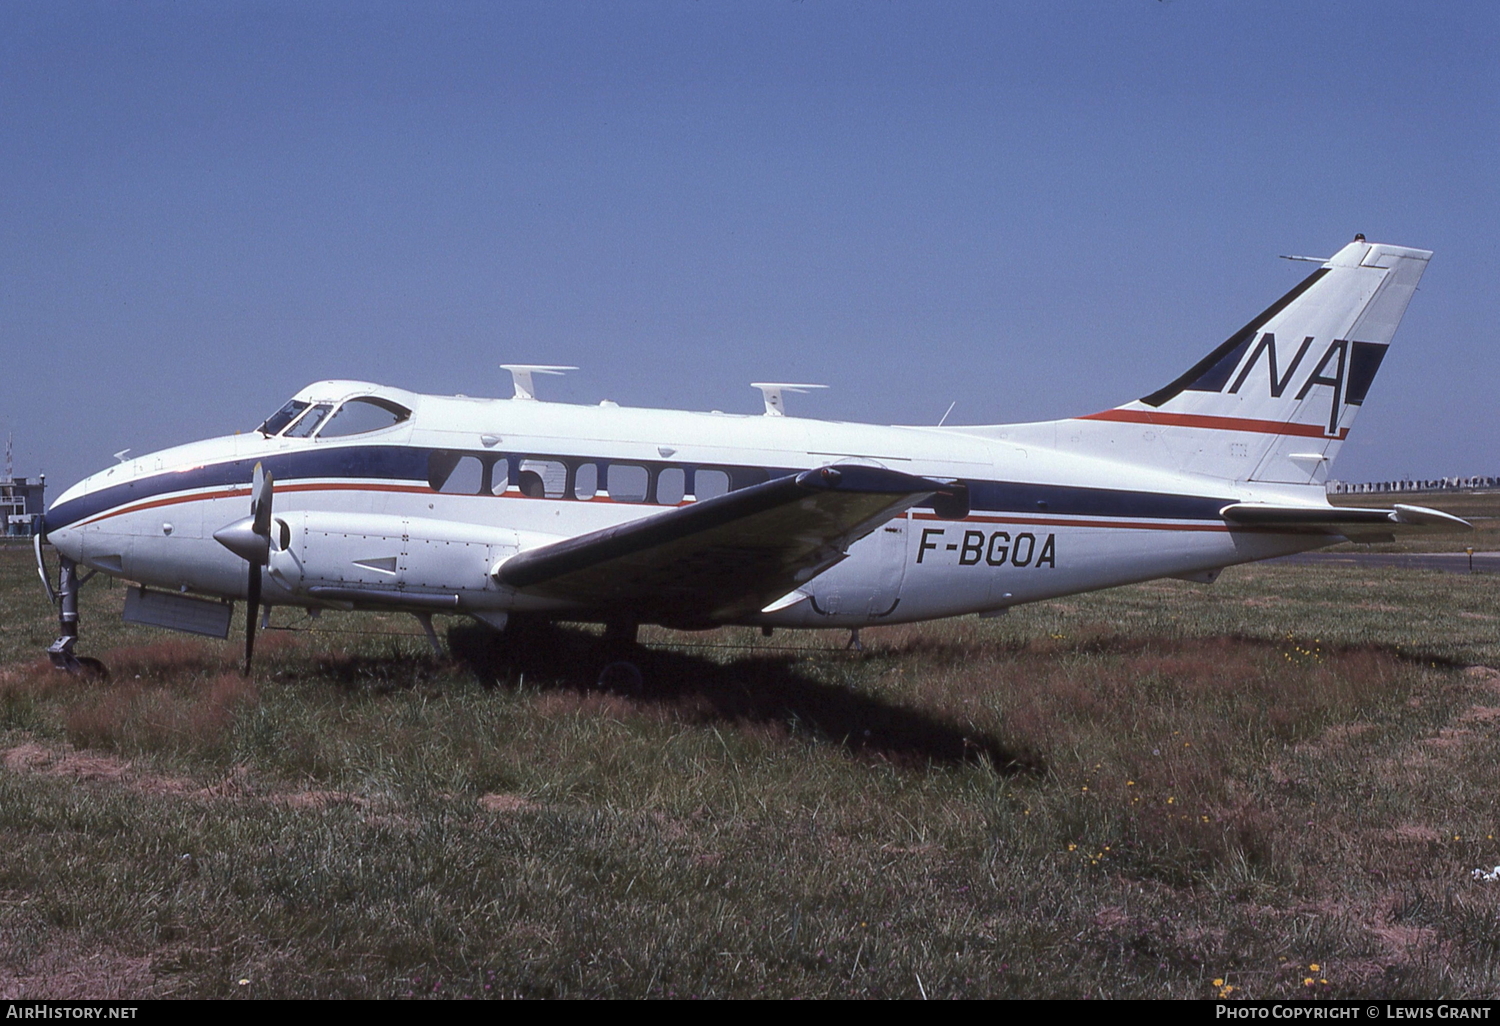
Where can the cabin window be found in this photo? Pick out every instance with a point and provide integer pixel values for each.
(309, 421)
(358, 416)
(671, 486)
(543, 479)
(439, 465)
(627, 482)
(474, 473)
(282, 417)
(709, 483)
(453, 473)
(585, 481)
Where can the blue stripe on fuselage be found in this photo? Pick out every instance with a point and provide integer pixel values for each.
(1069, 500)
(380, 462)
(409, 464)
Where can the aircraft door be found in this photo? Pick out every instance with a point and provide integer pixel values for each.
(889, 570)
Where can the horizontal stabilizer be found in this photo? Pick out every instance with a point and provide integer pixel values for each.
(723, 558)
(1354, 524)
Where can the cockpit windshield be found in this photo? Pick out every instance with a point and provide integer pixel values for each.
(357, 416)
(309, 421)
(282, 417)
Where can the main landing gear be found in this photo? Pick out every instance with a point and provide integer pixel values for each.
(620, 674)
(425, 619)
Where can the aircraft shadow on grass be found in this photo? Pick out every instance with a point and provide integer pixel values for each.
(757, 689)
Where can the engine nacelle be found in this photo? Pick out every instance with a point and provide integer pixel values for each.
(338, 554)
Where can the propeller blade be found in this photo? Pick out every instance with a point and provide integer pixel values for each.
(252, 612)
(260, 547)
(250, 538)
(260, 502)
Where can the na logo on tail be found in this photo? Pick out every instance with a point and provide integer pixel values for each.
(1277, 398)
(1345, 367)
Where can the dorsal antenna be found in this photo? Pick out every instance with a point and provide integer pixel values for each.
(520, 374)
(771, 391)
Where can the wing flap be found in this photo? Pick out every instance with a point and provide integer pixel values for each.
(722, 558)
(1352, 523)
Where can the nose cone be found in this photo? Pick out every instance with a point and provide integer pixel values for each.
(67, 540)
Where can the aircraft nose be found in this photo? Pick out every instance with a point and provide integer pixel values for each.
(68, 541)
(60, 522)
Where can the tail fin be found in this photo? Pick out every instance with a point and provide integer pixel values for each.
(1275, 402)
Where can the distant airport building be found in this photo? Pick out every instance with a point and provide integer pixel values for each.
(21, 504)
(1436, 484)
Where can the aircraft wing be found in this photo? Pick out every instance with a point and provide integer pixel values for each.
(723, 558)
(1362, 525)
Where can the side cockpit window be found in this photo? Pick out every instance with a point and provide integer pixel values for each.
(358, 416)
(282, 417)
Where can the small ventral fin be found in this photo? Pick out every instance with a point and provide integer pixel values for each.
(1200, 576)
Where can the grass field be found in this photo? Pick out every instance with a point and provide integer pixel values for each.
(1278, 785)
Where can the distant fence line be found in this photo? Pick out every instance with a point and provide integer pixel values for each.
(1436, 484)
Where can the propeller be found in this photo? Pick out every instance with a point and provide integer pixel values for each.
(250, 539)
(260, 515)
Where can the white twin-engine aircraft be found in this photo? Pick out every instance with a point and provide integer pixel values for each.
(389, 500)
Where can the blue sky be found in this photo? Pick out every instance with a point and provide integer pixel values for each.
(1030, 210)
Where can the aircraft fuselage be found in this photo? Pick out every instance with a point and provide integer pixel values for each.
(372, 510)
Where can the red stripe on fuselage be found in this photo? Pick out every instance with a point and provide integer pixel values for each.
(1195, 420)
(281, 489)
(1102, 522)
(230, 493)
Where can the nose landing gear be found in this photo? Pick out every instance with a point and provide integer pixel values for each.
(60, 652)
